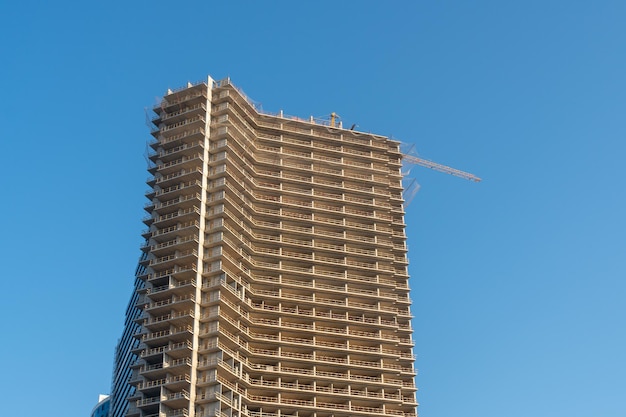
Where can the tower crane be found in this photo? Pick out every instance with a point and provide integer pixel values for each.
(412, 159)
(439, 167)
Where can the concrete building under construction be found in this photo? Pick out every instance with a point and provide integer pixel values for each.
(274, 272)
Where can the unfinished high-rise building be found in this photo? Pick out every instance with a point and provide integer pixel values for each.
(274, 269)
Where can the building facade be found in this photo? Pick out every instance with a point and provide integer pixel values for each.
(275, 268)
(102, 408)
(124, 358)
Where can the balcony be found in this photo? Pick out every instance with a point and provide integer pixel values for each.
(171, 382)
(343, 407)
(180, 243)
(177, 399)
(168, 128)
(177, 333)
(174, 350)
(179, 272)
(299, 342)
(178, 202)
(164, 306)
(182, 412)
(161, 235)
(174, 217)
(181, 113)
(174, 140)
(176, 99)
(187, 161)
(339, 362)
(171, 285)
(147, 401)
(182, 175)
(169, 154)
(165, 321)
(170, 260)
(177, 188)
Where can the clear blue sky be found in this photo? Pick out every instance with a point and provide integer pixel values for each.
(518, 282)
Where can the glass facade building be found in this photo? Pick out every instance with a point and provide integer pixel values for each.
(102, 408)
